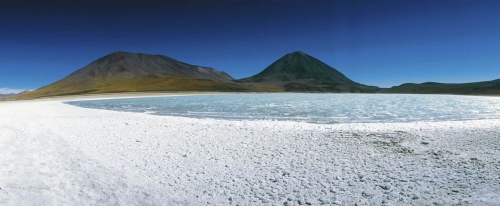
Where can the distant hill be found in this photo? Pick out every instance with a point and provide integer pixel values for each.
(299, 72)
(6, 95)
(486, 87)
(13, 94)
(132, 72)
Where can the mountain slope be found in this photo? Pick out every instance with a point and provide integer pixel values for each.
(131, 72)
(298, 71)
(486, 87)
(120, 64)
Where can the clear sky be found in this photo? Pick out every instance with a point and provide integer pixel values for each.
(375, 42)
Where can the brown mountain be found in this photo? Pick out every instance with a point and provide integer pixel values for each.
(300, 72)
(120, 64)
(130, 72)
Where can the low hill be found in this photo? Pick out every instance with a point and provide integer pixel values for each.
(300, 72)
(478, 88)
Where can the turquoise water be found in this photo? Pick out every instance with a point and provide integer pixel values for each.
(313, 108)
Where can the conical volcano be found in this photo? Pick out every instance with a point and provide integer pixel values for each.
(299, 66)
(131, 72)
(298, 71)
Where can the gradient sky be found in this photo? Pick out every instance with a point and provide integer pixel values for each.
(375, 42)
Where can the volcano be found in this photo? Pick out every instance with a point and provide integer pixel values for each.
(300, 72)
(119, 65)
(133, 72)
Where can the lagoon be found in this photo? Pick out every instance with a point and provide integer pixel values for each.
(311, 108)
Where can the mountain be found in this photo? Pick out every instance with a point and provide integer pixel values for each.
(131, 72)
(13, 94)
(7, 95)
(25, 91)
(486, 87)
(300, 72)
(121, 64)
(294, 72)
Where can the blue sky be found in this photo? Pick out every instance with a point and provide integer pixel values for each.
(375, 42)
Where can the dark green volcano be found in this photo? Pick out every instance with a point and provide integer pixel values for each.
(299, 65)
(300, 72)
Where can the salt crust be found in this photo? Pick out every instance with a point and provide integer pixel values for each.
(57, 154)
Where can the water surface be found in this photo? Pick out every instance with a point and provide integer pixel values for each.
(313, 108)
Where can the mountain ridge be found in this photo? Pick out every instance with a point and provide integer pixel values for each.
(294, 72)
(471, 88)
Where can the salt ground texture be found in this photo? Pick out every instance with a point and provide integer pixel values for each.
(58, 154)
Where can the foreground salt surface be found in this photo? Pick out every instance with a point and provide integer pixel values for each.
(57, 154)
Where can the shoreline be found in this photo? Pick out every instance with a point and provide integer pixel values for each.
(119, 95)
(56, 153)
